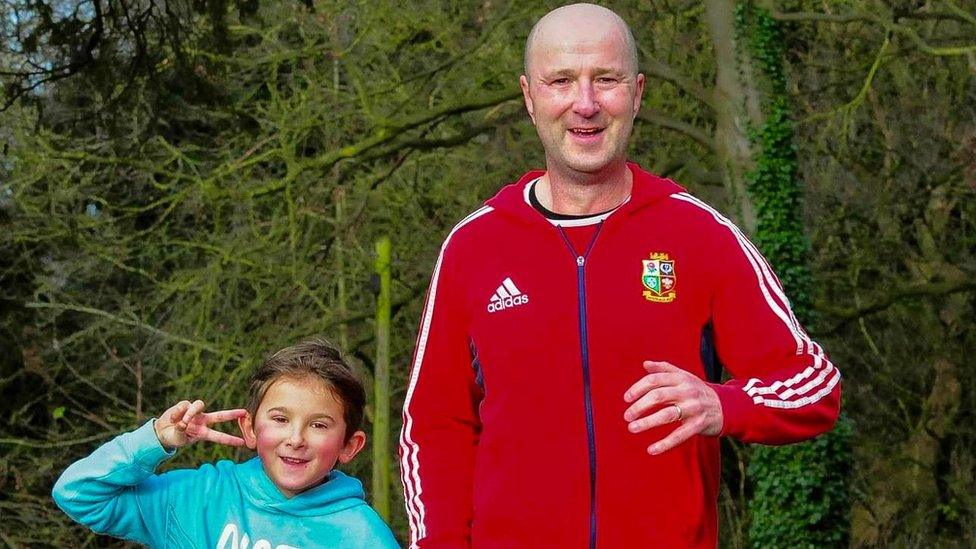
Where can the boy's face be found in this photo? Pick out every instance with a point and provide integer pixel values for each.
(299, 432)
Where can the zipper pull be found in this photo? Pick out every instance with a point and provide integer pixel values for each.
(579, 261)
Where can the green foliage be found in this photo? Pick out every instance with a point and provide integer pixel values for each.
(157, 244)
(801, 495)
(168, 215)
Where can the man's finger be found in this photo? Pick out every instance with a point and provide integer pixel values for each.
(224, 415)
(653, 366)
(685, 431)
(654, 398)
(667, 414)
(649, 382)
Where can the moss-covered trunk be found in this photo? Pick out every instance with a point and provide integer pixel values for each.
(800, 495)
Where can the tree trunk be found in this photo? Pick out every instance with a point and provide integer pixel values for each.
(381, 385)
(737, 109)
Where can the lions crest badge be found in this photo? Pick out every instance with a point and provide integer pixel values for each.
(659, 279)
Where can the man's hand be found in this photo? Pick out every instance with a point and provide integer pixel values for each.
(673, 395)
(185, 423)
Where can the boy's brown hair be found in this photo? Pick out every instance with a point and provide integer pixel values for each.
(318, 359)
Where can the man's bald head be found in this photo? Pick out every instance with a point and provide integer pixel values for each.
(581, 18)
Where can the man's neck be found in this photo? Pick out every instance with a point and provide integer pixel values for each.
(585, 195)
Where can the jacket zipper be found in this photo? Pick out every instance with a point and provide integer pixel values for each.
(585, 353)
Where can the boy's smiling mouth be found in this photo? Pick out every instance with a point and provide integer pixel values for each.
(293, 461)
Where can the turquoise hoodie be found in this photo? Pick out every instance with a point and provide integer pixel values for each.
(225, 505)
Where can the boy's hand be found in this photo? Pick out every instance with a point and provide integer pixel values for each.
(185, 423)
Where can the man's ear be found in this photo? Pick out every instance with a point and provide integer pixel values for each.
(246, 423)
(355, 443)
(524, 84)
(639, 93)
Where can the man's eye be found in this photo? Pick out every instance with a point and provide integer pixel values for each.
(607, 80)
(560, 81)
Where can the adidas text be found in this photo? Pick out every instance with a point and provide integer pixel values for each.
(495, 306)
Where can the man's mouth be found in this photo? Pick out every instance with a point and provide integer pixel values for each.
(585, 131)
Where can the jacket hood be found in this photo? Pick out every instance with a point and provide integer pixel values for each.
(337, 493)
(647, 189)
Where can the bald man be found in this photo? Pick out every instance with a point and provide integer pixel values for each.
(565, 389)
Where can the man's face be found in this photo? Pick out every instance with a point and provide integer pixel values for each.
(582, 95)
(299, 434)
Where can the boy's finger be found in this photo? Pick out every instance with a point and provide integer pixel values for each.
(223, 438)
(193, 410)
(178, 411)
(224, 415)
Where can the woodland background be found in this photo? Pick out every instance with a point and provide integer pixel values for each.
(186, 185)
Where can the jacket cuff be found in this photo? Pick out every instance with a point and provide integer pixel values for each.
(737, 409)
(144, 447)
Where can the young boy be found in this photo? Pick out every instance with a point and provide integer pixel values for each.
(303, 415)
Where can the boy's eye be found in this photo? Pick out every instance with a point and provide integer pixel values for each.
(320, 425)
(279, 419)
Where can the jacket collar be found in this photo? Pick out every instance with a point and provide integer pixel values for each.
(647, 189)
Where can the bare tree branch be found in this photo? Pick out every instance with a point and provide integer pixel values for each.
(389, 133)
(685, 128)
(130, 322)
(659, 69)
(28, 443)
(84, 58)
(894, 296)
(890, 25)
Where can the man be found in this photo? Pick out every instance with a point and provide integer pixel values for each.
(560, 394)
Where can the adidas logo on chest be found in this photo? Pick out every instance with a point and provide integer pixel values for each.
(506, 296)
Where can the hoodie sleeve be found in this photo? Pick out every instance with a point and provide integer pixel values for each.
(440, 419)
(784, 387)
(106, 490)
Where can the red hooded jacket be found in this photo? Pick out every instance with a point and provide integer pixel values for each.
(513, 431)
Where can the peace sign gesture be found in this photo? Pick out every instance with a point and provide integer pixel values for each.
(185, 423)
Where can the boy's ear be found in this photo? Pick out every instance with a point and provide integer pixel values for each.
(246, 423)
(355, 443)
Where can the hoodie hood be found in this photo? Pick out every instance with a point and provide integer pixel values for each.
(337, 493)
(647, 189)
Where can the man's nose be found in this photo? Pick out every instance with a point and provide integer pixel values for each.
(586, 104)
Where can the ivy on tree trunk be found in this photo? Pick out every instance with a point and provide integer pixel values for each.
(801, 496)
